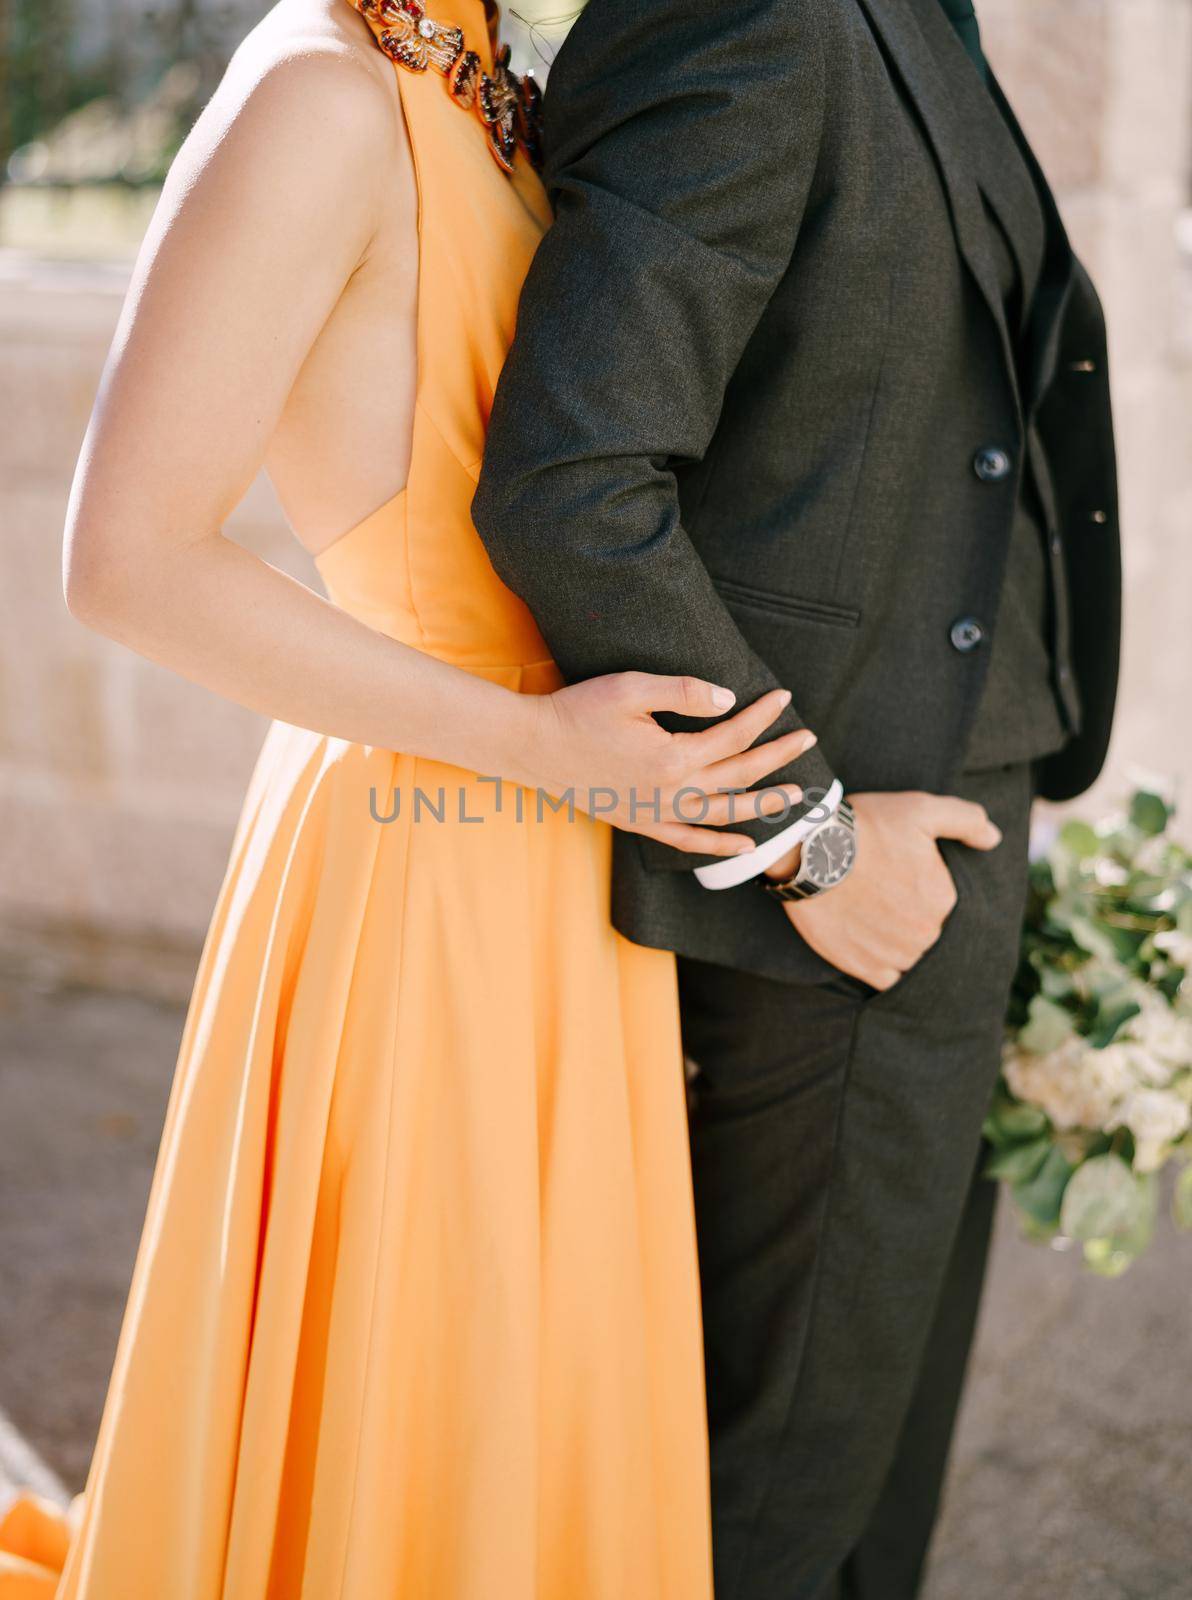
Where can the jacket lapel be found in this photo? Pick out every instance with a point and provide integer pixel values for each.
(990, 150)
(1055, 287)
(898, 29)
(998, 150)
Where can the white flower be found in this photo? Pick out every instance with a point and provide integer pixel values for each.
(1155, 1114)
(1149, 1154)
(1176, 945)
(1164, 1039)
(1109, 872)
(1062, 1084)
(1114, 1071)
(1155, 1118)
(1143, 1075)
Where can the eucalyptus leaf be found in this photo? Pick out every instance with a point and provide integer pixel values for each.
(1014, 1119)
(1139, 1236)
(1048, 1026)
(1079, 839)
(1104, 1258)
(1148, 893)
(1111, 1256)
(1103, 1200)
(1110, 1020)
(1149, 812)
(1127, 942)
(1041, 1196)
(1017, 1163)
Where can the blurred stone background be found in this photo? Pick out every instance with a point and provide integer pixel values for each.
(120, 784)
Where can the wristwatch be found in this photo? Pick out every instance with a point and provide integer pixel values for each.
(827, 858)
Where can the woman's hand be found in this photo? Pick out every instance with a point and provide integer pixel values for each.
(598, 742)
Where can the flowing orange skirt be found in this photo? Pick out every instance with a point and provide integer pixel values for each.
(415, 1310)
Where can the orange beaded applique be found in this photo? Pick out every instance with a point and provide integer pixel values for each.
(509, 107)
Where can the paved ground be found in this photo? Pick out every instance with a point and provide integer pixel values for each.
(1074, 1464)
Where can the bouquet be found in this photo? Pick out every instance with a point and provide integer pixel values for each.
(1096, 1090)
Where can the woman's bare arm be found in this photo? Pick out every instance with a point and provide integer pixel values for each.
(270, 208)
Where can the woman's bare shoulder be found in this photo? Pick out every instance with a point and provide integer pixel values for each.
(315, 49)
(305, 92)
(304, 134)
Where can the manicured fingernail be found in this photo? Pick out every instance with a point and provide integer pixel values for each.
(812, 738)
(745, 849)
(723, 698)
(784, 699)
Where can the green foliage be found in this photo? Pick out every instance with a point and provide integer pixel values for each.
(1020, 1162)
(1041, 1196)
(1097, 1083)
(1047, 1026)
(1109, 1254)
(1010, 1120)
(1102, 1200)
(1149, 813)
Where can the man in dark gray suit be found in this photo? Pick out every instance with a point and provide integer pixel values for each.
(809, 390)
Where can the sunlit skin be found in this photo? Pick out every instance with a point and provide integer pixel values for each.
(270, 323)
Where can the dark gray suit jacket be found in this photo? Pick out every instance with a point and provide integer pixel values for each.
(756, 357)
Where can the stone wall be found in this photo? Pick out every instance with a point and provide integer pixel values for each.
(120, 784)
(1104, 90)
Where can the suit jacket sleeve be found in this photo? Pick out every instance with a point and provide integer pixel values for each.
(682, 139)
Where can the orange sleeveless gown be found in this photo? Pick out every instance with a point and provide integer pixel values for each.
(415, 1312)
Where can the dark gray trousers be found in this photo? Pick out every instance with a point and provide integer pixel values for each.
(843, 1230)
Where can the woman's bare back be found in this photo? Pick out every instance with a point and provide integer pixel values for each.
(341, 445)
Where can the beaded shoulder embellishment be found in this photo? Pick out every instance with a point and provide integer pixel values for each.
(509, 107)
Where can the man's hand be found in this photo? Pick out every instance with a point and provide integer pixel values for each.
(892, 906)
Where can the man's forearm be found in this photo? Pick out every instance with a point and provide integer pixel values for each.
(634, 316)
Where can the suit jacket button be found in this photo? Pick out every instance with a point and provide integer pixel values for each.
(991, 464)
(966, 633)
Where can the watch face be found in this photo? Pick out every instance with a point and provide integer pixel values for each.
(829, 854)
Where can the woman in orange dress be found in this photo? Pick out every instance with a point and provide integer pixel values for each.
(415, 1309)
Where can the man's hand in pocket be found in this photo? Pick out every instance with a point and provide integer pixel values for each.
(893, 905)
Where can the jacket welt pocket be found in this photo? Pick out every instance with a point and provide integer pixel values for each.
(785, 605)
